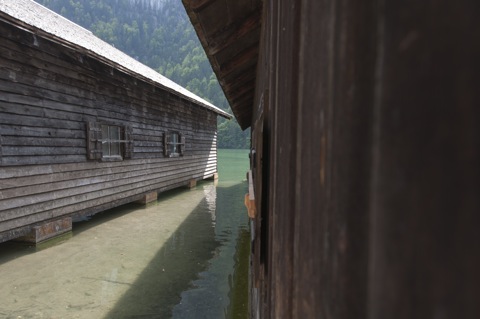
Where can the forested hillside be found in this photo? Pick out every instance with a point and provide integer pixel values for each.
(157, 33)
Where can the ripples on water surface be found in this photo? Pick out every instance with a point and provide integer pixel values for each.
(185, 256)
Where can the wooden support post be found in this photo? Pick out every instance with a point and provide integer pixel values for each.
(214, 177)
(48, 230)
(192, 183)
(148, 198)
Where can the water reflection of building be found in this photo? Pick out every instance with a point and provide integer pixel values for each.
(210, 192)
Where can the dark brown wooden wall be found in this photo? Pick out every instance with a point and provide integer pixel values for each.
(368, 113)
(48, 93)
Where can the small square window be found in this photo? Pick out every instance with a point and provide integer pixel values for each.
(174, 144)
(111, 139)
(109, 142)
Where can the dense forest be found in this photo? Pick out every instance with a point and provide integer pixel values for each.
(159, 34)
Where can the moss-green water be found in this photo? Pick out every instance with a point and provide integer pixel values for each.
(232, 166)
(222, 290)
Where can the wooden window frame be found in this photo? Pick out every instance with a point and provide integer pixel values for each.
(168, 143)
(96, 142)
(108, 142)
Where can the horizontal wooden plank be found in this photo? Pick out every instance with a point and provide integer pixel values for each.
(100, 204)
(38, 175)
(39, 160)
(57, 57)
(44, 183)
(28, 171)
(71, 188)
(33, 151)
(97, 196)
(28, 132)
(32, 121)
(169, 111)
(87, 94)
(29, 113)
(43, 141)
(68, 158)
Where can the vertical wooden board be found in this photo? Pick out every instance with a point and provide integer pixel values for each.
(427, 175)
(94, 140)
(166, 141)
(345, 157)
(282, 131)
(313, 274)
(182, 144)
(128, 147)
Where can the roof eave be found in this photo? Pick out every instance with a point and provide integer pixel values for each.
(235, 69)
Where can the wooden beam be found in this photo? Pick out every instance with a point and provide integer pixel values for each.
(148, 198)
(240, 91)
(247, 75)
(231, 34)
(199, 5)
(244, 57)
(48, 230)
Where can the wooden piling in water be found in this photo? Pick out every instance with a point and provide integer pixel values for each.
(45, 231)
(148, 198)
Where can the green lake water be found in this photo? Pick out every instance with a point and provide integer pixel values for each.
(185, 256)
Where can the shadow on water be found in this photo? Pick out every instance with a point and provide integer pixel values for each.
(186, 253)
(209, 298)
(12, 250)
(190, 264)
(238, 281)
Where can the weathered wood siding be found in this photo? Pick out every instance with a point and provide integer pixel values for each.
(366, 134)
(48, 94)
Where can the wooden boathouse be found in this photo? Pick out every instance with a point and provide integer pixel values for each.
(84, 127)
(365, 152)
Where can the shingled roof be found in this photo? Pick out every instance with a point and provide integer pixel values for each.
(46, 23)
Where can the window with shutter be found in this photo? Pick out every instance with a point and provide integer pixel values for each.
(94, 141)
(128, 149)
(182, 144)
(166, 140)
(109, 142)
(173, 144)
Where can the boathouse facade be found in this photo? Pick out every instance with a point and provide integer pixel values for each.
(365, 152)
(84, 127)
